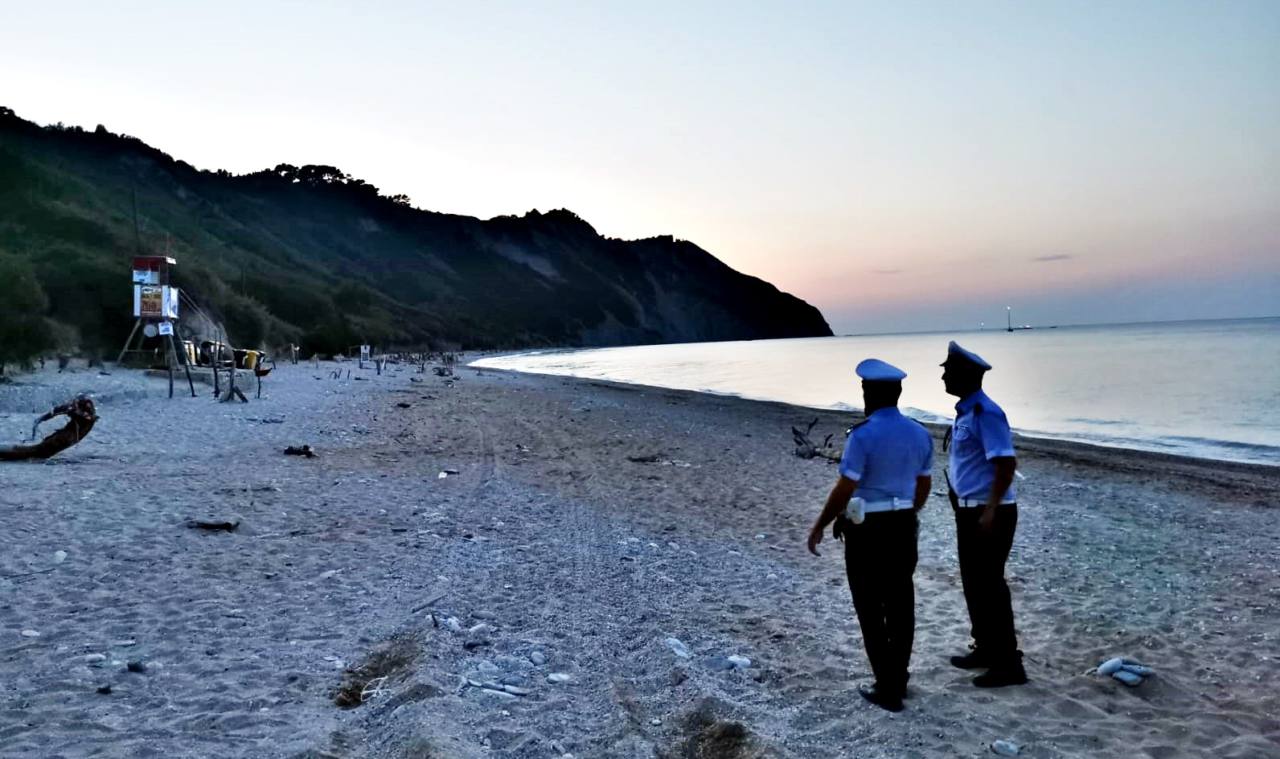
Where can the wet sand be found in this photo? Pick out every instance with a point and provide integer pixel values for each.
(586, 524)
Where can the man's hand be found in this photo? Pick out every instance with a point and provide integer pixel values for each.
(815, 537)
(987, 518)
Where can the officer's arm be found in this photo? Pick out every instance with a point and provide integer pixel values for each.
(1005, 467)
(837, 500)
(924, 484)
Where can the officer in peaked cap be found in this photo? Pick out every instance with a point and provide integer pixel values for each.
(980, 475)
(887, 463)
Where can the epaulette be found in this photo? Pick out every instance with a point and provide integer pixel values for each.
(849, 431)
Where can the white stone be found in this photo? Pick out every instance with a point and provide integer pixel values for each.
(59, 557)
(740, 662)
(30, 634)
(558, 677)
(1005, 748)
(678, 648)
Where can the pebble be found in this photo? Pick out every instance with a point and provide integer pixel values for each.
(453, 624)
(538, 658)
(136, 666)
(558, 677)
(488, 668)
(94, 659)
(499, 693)
(104, 690)
(741, 662)
(678, 648)
(30, 633)
(655, 722)
(1005, 748)
(59, 557)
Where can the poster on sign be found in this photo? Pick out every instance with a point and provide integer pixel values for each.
(365, 352)
(150, 301)
(155, 302)
(166, 328)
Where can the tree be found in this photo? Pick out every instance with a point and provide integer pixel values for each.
(24, 331)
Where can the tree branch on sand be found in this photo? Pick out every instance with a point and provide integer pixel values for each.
(81, 416)
(807, 449)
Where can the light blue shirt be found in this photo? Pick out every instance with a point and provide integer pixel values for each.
(980, 433)
(885, 454)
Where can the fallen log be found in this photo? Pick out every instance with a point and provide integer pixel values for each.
(81, 416)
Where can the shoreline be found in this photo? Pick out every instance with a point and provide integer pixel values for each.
(1040, 441)
(577, 526)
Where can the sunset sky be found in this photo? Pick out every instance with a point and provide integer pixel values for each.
(902, 166)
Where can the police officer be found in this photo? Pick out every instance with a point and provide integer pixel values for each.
(887, 462)
(980, 484)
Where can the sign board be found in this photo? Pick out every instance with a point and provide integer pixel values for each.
(155, 302)
(166, 328)
(365, 352)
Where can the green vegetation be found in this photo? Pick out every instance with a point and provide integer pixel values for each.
(314, 256)
(24, 332)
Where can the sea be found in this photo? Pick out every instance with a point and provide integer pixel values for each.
(1206, 389)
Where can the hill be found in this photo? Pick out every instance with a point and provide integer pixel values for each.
(313, 255)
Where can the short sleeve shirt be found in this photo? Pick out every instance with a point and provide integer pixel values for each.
(979, 434)
(885, 454)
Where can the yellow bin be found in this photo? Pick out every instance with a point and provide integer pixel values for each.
(250, 359)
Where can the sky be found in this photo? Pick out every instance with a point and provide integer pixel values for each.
(902, 166)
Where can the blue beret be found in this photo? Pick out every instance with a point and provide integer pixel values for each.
(956, 353)
(875, 370)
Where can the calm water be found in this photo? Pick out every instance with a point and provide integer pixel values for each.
(1206, 389)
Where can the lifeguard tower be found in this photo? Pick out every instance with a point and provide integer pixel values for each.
(155, 309)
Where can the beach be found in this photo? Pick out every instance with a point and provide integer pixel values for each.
(540, 566)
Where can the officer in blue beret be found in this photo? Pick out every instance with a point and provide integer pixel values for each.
(884, 482)
(980, 485)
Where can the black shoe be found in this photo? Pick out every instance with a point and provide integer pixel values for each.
(972, 660)
(999, 677)
(881, 698)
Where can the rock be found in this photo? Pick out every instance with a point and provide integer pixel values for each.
(124, 643)
(1005, 748)
(136, 666)
(488, 668)
(740, 662)
(480, 629)
(1110, 666)
(30, 633)
(453, 624)
(538, 658)
(513, 679)
(655, 722)
(499, 693)
(515, 690)
(678, 648)
(1128, 678)
(95, 660)
(559, 677)
(104, 690)
(720, 663)
(59, 557)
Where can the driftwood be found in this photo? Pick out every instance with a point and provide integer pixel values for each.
(304, 450)
(81, 416)
(198, 524)
(806, 449)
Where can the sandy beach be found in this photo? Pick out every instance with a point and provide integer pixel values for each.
(575, 581)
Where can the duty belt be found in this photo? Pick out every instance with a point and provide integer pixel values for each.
(858, 507)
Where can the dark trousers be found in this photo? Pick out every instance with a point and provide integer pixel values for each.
(880, 559)
(982, 560)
